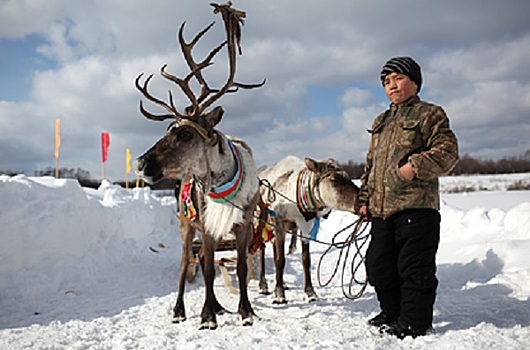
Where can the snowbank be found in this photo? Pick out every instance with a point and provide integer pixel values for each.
(97, 269)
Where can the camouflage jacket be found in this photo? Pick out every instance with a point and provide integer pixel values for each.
(417, 132)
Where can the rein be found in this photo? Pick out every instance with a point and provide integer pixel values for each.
(358, 237)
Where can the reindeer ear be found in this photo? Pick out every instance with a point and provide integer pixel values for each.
(312, 165)
(332, 164)
(213, 117)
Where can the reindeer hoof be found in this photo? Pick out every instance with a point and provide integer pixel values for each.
(278, 301)
(221, 311)
(264, 289)
(178, 319)
(310, 297)
(208, 325)
(279, 296)
(247, 321)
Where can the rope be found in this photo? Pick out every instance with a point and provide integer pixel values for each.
(358, 237)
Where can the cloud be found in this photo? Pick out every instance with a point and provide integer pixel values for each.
(473, 54)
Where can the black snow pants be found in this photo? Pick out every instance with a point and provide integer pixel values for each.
(401, 265)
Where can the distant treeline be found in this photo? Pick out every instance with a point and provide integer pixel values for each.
(81, 175)
(467, 165)
(86, 180)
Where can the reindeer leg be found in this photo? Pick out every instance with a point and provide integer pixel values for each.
(263, 286)
(279, 261)
(251, 265)
(211, 305)
(187, 233)
(217, 307)
(292, 245)
(243, 235)
(309, 292)
(263, 221)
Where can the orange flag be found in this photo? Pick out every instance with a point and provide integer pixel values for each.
(57, 137)
(105, 143)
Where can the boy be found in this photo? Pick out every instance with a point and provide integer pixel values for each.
(411, 146)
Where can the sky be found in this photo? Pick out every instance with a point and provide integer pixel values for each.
(111, 283)
(77, 61)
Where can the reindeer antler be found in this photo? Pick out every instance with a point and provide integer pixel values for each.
(232, 19)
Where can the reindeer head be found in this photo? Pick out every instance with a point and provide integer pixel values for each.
(333, 185)
(184, 146)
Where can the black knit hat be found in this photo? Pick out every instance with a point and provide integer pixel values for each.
(403, 65)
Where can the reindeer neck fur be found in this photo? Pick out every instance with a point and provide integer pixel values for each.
(219, 217)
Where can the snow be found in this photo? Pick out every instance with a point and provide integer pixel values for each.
(97, 269)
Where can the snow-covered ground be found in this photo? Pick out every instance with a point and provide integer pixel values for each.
(97, 269)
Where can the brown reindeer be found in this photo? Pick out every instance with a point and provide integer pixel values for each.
(299, 192)
(218, 172)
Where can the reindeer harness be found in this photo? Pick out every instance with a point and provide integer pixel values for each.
(308, 204)
(224, 193)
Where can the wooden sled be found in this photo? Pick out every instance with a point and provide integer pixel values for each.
(262, 233)
(224, 263)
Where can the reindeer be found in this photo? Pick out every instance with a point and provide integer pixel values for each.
(218, 172)
(300, 192)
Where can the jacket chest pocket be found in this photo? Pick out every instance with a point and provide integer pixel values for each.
(409, 134)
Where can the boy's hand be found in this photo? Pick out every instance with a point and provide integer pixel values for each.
(407, 171)
(365, 213)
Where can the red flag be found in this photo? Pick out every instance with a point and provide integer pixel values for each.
(105, 143)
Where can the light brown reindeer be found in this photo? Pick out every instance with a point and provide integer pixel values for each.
(218, 172)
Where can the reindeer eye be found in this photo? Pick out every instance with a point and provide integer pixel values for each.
(335, 178)
(184, 134)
